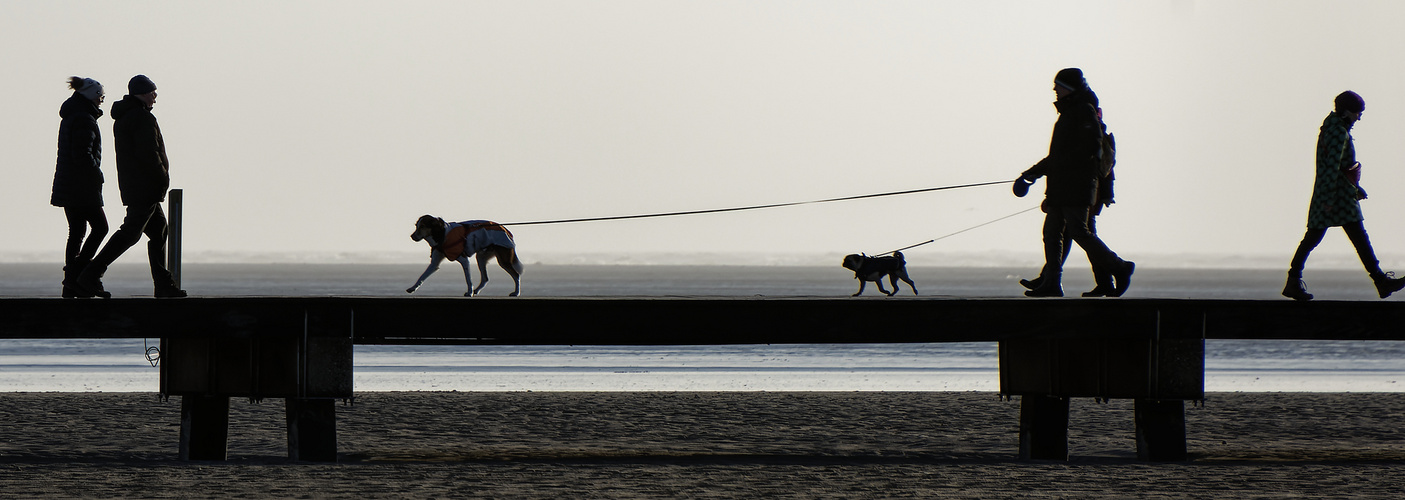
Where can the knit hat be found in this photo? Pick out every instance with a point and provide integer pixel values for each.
(139, 85)
(88, 88)
(1071, 78)
(1350, 101)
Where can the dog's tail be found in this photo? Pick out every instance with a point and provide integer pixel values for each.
(517, 263)
(899, 255)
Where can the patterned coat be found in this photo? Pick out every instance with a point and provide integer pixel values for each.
(470, 237)
(1334, 195)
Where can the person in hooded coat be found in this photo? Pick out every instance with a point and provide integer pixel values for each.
(1074, 171)
(143, 178)
(1336, 200)
(78, 179)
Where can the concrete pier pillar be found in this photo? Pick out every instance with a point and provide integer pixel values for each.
(204, 427)
(1043, 427)
(1160, 430)
(312, 430)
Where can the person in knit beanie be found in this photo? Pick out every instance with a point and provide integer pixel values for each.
(78, 179)
(1073, 170)
(143, 174)
(1336, 200)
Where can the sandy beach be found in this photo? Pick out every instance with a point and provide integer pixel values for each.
(703, 445)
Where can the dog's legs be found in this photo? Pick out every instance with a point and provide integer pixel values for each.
(879, 282)
(468, 276)
(434, 259)
(909, 283)
(862, 283)
(482, 269)
(507, 258)
(893, 280)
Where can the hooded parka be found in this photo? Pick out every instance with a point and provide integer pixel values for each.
(142, 171)
(78, 174)
(1072, 164)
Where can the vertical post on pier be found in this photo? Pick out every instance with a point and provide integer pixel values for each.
(312, 429)
(204, 427)
(173, 238)
(1043, 427)
(1160, 430)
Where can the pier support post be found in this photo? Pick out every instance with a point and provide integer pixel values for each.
(1043, 427)
(174, 220)
(1160, 430)
(204, 427)
(312, 430)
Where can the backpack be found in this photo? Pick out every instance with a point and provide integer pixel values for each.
(1107, 158)
(1107, 146)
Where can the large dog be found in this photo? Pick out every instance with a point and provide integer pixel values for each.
(873, 269)
(457, 241)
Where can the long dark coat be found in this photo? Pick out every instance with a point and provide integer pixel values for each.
(1072, 164)
(142, 171)
(78, 174)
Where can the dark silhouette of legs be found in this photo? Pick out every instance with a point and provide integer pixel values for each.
(140, 219)
(77, 252)
(1072, 223)
(1356, 232)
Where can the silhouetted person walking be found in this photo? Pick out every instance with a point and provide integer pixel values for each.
(1336, 200)
(1074, 169)
(78, 179)
(143, 176)
(1102, 279)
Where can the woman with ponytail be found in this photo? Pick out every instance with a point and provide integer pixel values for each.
(78, 179)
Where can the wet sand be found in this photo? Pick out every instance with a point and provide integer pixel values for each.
(703, 445)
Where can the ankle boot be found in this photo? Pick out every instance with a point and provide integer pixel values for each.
(1032, 284)
(90, 281)
(1387, 283)
(1123, 278)
(70, 279)
(1295, 288)
(1047, 288)
(1102, 290)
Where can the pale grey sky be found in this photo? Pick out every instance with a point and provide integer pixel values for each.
(330, 126)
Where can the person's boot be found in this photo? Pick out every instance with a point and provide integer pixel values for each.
(1102, 290)
(1048, 287)
(70, 279)
(70, 289)
(90, 281)
(1387, 283)
(1123, 278)
(1032, 284)
(1295, 288)
(166, 288)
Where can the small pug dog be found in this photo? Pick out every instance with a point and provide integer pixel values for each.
(873, 269)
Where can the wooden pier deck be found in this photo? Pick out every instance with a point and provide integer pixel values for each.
(300, 348)
(691, 320)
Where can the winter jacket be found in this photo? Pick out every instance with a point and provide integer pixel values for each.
(1334, 195)
(78, 174)
(142, 171)
(1072, 165)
